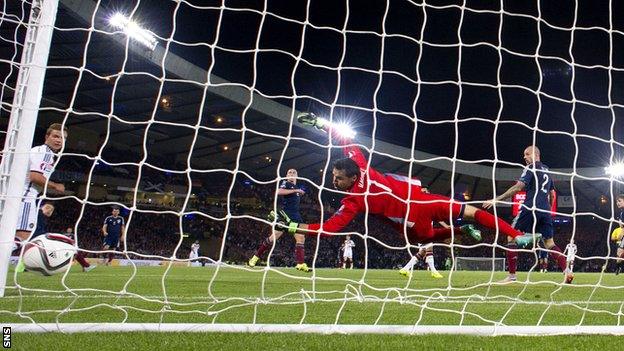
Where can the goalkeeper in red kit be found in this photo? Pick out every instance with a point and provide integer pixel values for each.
(397, 199)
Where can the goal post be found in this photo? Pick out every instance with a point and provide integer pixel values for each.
(21, 129)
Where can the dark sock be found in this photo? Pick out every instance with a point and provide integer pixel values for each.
(299, 253)
(79, 257)
(512, 257)
(559, 257)
(489, 221)
(110, 256)
(266, 243)
(620, 263)
(18, 244)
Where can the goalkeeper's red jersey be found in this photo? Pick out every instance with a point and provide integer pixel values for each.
(387, 197)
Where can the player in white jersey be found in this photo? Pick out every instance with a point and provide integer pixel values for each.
(194, 254)
(347, 252)
(41, 166)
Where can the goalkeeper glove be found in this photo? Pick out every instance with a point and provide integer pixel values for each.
(283, 222)
(310, 119)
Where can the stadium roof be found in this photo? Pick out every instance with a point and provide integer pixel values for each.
(266, 122)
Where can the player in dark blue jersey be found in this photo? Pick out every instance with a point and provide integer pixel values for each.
(540, 196)
(290, 195)
(113, 231)
(620, 251)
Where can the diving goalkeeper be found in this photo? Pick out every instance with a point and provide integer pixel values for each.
(397, 199)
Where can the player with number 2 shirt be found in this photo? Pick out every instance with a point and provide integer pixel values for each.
(536, 210)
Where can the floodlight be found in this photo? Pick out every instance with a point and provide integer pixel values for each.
(133, 30)
(344, 130)
(615, 170)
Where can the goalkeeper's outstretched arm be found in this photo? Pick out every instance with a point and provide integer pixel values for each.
(334, 224)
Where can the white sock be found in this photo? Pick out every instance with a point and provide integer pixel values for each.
(411, 263)
(429, 261)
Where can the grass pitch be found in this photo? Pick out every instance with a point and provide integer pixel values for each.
(286, 296)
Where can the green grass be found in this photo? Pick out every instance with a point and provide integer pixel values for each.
(237, 342)
(229, 295)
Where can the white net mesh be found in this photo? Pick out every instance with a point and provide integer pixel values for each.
(479, 263)
(192, 134)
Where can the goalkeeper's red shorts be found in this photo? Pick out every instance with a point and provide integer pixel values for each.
(429, 208)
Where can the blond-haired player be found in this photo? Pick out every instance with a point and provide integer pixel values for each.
(41, 166)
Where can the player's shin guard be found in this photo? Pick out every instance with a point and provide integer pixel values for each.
(299, 253)
(559, 257)
(266, 244)
(512, 258)
(488, 220)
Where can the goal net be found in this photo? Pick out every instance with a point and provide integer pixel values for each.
(479, 264)
(183, 114)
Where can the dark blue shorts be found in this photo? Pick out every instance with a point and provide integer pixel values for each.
(36, 234)
(542, 254)
(111, 240)
(524, 222)
(294, 216)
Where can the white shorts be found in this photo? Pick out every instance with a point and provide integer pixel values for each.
(347, 257)
(193, 255)
(27, 215)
